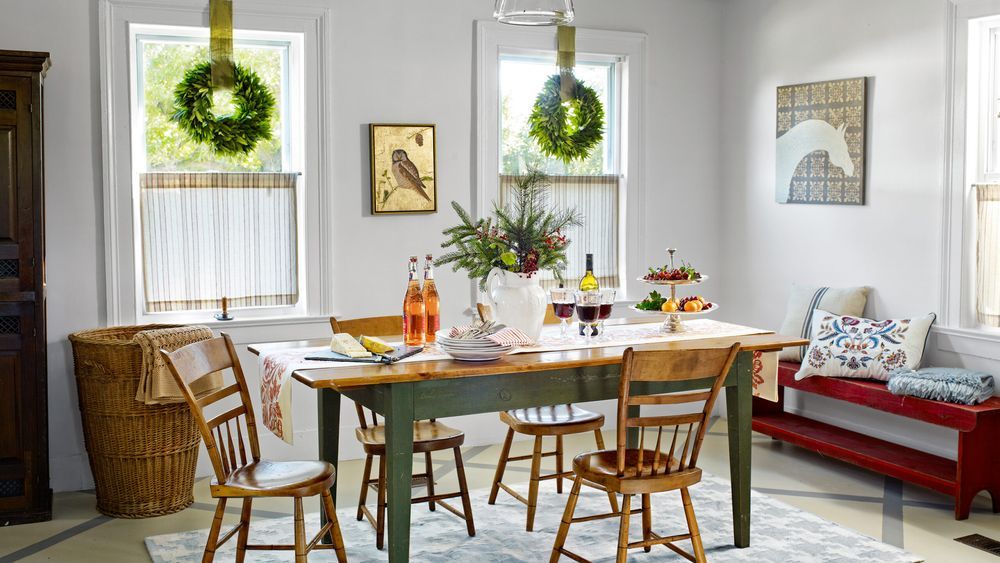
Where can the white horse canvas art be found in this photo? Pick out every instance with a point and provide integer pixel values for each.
(802, 140)
(820, 143)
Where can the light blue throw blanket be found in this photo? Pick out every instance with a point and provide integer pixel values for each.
(953, 385)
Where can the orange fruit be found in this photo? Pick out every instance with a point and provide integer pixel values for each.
(669, 306)
(693, 306)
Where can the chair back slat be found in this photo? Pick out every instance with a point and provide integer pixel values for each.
(227, 450)
(666, 420)
(678, 365)
(669, 399)
(391, 325)
(218, 395)
(709, 364)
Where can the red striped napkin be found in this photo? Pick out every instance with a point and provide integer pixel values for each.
(510, 336)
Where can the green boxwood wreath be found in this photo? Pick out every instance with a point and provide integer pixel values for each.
(232, 134)
(567, 131)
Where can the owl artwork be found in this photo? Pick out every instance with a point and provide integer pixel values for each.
(403, 169)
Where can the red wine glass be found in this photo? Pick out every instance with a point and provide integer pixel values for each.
(563, 305)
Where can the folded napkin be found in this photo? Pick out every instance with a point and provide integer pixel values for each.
(505, 336)
(156, 383)
(952, 385)
(510, 336)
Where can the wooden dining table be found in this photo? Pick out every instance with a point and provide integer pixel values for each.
(406, 392)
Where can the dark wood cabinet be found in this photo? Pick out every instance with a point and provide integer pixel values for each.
(25, 495)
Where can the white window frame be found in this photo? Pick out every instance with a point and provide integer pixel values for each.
(492, 39)
(311, 19)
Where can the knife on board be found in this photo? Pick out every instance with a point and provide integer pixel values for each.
(390, 358)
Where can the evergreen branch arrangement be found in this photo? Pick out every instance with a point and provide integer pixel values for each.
(523, 236)
(230, 134)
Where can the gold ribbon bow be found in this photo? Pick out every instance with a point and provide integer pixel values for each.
(566, 58)
(221, 43)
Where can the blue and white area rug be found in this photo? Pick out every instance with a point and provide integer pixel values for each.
(780, 532)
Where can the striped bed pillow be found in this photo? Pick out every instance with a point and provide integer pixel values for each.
(805, 299)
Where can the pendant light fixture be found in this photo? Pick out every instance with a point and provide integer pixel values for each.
(534, 12)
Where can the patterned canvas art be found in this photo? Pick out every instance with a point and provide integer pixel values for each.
(821, 143)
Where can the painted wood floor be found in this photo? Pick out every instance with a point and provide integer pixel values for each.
(903, 515)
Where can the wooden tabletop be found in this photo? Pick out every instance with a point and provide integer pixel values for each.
(361, 375)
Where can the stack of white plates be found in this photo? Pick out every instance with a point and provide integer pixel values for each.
(471, 349)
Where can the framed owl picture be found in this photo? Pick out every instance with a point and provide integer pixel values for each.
(404, 168)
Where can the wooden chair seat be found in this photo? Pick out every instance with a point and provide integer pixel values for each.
(553, 420)
(602, 468)
(277, 479)
(428, 436)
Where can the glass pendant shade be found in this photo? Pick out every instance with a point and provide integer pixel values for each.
(534, 12)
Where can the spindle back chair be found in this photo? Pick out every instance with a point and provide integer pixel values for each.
(631, 471)
(235, 454)
(556, 421)
(428, 436)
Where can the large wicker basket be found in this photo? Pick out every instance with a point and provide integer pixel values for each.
(142, 456)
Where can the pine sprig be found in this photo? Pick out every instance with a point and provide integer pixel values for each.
(523, 236)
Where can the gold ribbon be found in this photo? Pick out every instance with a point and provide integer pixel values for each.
(221, 42)
(566, 58)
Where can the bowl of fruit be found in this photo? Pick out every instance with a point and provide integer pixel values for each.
(687, 306)
(667, 275)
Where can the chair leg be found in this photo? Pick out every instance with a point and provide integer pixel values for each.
(241, 539)
(367, 476)
(301, 556)
(463, 487)
(213, 532)
(612, 498)
(335, 535)
(599, 438)
(623, 529)
(501, 466)
(697, 547)
(559, 463)
(380, 516)
(567, 519)
(536, 469)
(429, 470)
(647, 522)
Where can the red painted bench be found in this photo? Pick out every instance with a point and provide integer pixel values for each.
(976, 469)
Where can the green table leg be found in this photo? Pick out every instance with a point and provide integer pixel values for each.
(738, 405)
(329, 437)
(632, 434)
(399, 467)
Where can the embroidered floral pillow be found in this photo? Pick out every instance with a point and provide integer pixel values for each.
(845, 346)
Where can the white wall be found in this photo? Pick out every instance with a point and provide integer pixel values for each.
(394, 62)
(893, 242)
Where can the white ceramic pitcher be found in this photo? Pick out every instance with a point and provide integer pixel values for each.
(517, 300)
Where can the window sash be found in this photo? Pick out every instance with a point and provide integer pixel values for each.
(596, 198)
(211, 235)
(988, 254)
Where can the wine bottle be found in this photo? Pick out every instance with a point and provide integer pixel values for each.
(414, 311)
(589, 282)
(432, 303)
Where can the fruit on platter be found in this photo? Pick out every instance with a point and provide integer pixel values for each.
(656, 302)
(653, 302)
(666, 273)
(694, 304)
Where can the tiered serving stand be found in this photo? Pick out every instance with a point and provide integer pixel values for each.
(673, 321)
